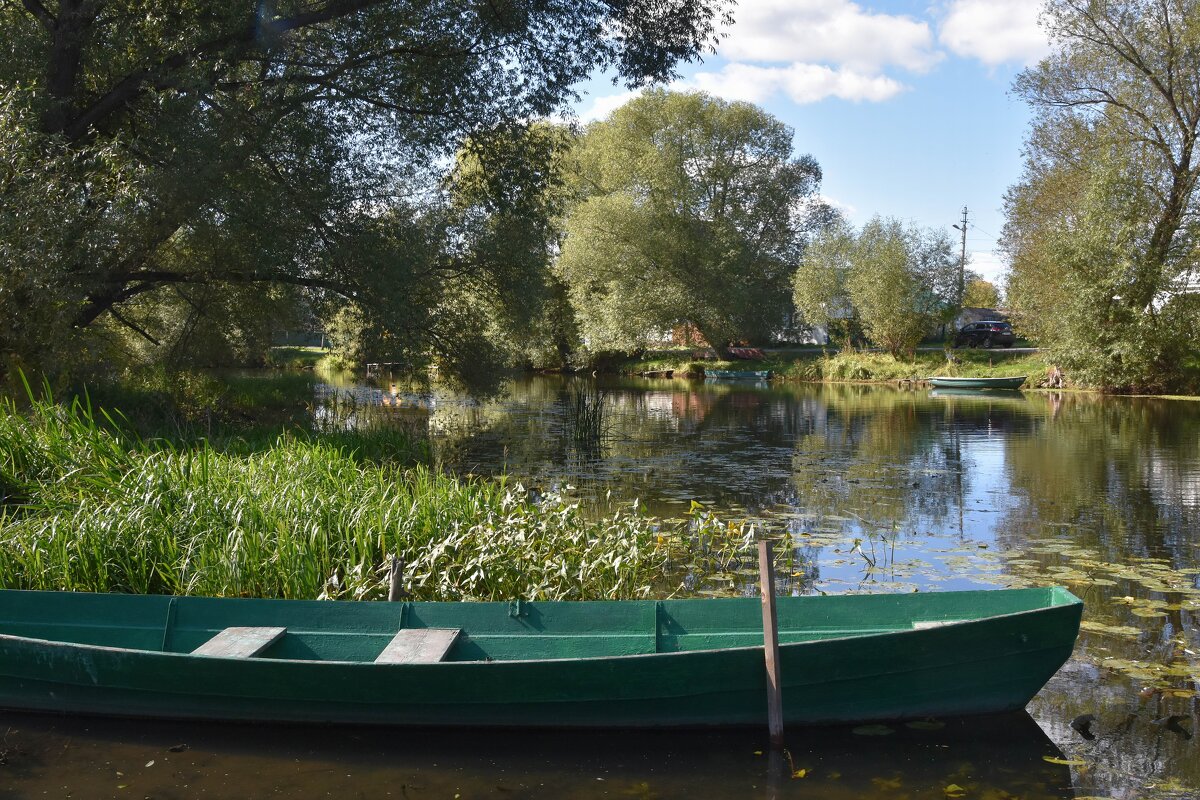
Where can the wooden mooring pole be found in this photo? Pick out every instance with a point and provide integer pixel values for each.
(766, 577)
(396, 580)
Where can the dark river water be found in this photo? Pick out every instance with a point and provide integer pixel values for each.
(877, 490)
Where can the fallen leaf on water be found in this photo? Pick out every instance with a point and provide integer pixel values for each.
(954, 790)
(1064, 761)
(800, 773)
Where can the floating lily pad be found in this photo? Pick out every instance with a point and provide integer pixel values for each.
(1114, 630)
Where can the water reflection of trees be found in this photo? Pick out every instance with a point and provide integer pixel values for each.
(896, 460)
(1108, 498)
(1124, 472)
(724, 444)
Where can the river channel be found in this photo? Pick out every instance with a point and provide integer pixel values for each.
(874, 490)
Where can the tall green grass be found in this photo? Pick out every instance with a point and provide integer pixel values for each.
(86, 506)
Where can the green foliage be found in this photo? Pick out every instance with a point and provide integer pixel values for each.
(892, 285)
(819, 287)
(685, 208)
(346, 330)
(888, 283)
(296, 356)
(153, 151)
(879, 367)
(508, 190)
(89, 509)
(981, 294)
(1101, 230)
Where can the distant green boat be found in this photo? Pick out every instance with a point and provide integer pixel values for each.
(738, 374)
(977, 383)
(605, 664)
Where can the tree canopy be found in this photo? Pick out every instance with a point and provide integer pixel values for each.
(896, 282)
(980, 293)
(149, 149)
(686, 208)
(1102, 229)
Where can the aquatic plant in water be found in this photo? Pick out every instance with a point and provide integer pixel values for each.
(88, 508)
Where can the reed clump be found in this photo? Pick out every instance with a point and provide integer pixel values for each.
(85, 506)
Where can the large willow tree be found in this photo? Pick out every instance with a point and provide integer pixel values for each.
(1102, 230)
(688, 209)
(156, 155)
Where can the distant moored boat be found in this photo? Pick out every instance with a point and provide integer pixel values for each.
(977, 383)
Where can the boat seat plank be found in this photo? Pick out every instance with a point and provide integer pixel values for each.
(419, 646)
(240, 642)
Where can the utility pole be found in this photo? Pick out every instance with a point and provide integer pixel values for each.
(962, 262)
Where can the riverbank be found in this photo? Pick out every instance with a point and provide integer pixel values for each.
(820, 365)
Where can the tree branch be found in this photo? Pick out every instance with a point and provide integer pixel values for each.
(42, 13)
(133, 326)
(129, 88)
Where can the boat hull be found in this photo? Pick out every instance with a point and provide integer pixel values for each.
(974, 667)
(977, 383)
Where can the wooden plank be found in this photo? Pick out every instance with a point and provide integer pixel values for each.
(240, 642)
(766, 577)
(419, 646)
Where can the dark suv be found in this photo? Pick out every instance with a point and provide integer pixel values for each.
(988, 333)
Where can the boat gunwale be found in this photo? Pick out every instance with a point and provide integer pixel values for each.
(963, 379)
(621, 657)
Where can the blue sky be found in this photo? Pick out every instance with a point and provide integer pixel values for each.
(906, 106)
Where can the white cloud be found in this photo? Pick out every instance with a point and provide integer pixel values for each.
(995, 31)
(604, 105)
(836, 32)
(847, 210)
(803, 83)
(813, 50)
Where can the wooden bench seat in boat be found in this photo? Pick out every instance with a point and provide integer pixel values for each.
(240, 642)
(419, 646)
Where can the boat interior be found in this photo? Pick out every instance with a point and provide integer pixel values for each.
(416, 632)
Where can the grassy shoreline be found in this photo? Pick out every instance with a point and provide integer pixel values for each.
(819, 365)
(86, 505)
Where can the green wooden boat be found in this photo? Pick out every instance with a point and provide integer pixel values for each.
(941, 382)
(538, 664)
(738, 374)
